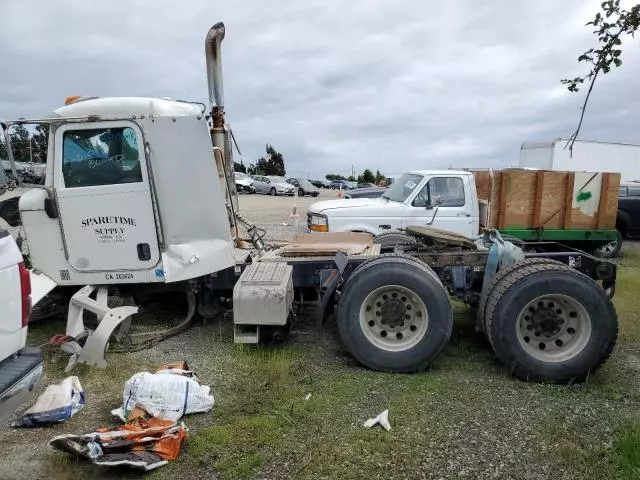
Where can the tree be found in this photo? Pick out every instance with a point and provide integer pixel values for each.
(272, 165)
(239, 167)
(351, 178)
(334, 176)
(39, 143)
(611, 26)
(367, 177)
(380, 177)
(20, 143)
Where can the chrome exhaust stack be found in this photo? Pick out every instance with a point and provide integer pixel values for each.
(220, 135)
(214, 65)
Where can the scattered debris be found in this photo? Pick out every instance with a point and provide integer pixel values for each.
(143, 443)
(382, 420)
(58, 403)
(168, 394)
(307, 397)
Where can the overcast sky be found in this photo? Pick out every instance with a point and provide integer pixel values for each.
(390, 85)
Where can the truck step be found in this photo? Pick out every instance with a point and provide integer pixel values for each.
(246, 334)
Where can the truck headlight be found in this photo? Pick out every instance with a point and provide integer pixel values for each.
(318, 223)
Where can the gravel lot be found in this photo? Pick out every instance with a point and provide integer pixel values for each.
(465, 418)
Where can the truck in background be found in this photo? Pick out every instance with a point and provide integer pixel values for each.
(577, 209)
(587, 156)
(20, 366)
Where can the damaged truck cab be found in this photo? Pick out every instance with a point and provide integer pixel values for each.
(128, 196)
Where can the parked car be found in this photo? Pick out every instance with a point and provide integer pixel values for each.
(320, 183)
(373, 192)
(304, 186)
(627, 220)
(244, 183)
(273, 185)
(342, 185)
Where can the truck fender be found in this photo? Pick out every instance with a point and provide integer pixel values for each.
(356, 227)
(41, 285)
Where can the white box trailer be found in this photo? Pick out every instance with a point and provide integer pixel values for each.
(587, 156)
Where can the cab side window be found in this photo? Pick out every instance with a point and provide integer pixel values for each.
(444, 191)
(105, 156)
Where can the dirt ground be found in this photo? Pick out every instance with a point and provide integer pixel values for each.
(464, 418)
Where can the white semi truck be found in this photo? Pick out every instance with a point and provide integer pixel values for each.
(139, 197)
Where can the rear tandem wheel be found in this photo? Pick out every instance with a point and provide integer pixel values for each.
(548, 322)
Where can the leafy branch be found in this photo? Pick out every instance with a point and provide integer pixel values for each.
(611, 25)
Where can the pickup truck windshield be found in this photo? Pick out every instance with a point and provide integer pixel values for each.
(400, 190)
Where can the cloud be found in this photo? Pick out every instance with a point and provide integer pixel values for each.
(389, 85)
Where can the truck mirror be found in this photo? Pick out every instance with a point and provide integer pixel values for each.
(50, 208)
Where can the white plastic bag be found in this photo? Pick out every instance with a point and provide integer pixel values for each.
(58, 403)
(165, 395)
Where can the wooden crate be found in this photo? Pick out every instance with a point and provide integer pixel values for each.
(520, 199)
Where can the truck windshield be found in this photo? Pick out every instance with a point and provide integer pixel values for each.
(400, 190)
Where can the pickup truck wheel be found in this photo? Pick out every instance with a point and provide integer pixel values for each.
(611, 249)
(389, 240)
(394, 314)
(550, 323)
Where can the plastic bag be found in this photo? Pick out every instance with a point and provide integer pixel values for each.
(167, 395)
(58, 403)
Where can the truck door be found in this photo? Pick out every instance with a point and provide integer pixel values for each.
(454, 207)
(104, 197)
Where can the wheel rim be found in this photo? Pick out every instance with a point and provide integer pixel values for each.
(609, 248)
(554, 328)
(393, 318)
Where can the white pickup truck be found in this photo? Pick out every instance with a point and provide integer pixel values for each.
(444, 199)
(20, 366)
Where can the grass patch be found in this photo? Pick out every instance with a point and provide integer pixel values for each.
(627, 303)
(627, 451)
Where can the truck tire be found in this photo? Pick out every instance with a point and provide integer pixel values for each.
(500, 274)
(611, 249)
(389, 240)
(550, 323)
(394, 314)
